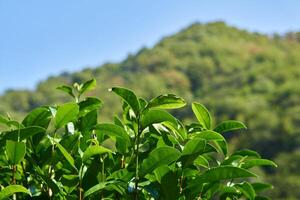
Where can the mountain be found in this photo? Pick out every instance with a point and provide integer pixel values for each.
(238, 74)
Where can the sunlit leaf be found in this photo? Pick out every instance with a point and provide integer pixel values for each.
(155, 116)
(210, 135)
(88, 105)
(38, 117)
(258, 162)
(65, 153)
(158, 157)
(229, 125)
(223, 173)
(12, 189)
(202, 115)
(66, 89)
(15, 151)
(247, 152)
(166, 101)
(258, 187)
(123, 139)
(87, 86)
(129, 97)
(66, 113)
(94, 150)
(194, 146)
(95, 189)
(192, 150)
(201, 161)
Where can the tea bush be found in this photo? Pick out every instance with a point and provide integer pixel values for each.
(63, 152)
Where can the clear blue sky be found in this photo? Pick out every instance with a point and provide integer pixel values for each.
(39, 38)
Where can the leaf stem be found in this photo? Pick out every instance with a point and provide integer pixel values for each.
(80, 182)
(13, 181)
(80, 192)
(137, 144)
(14, 169)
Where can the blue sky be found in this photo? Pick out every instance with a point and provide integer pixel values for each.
(42, 38)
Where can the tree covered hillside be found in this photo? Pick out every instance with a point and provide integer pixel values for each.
(237, 74)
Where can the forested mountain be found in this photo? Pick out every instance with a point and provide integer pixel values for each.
(237, 74)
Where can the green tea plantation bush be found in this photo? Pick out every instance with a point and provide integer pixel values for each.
(64, 152)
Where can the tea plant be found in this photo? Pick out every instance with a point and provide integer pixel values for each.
(63, 152)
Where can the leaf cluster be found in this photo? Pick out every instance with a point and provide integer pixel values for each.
(64, 152)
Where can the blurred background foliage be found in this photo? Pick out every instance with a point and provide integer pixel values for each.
(237, 74)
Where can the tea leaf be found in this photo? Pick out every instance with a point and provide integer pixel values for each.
(166, 101)
(15, 151)
(12, 189)
(66, 113)
(202, 115)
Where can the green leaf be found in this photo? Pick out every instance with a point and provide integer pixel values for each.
(213, 136)
(158, 157)
(223, 146)
(178, 130)
(13, 123)
(66, 89)
(112, 130)
(15, 151)
(209, 135)
(12, 189)
(38, 117)
(202, 115)
(201, 161)
(258, 162)
(65, 153)
(129, 97)
(192, 150)
(94, 150)
(247, 152)
(117, 121)
(87, 86)
(229, 125)
(194, 146)
(66, 113)
(155, 116)
(95, 189)
(68, 157)
(258, 187)
(88, 105)
(143, 103)
(222, 173)
(247, 190)
(4, 120)
(166, 101)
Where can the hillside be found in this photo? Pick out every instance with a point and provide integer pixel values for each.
(238, 74)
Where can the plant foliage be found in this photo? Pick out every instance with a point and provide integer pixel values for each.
(64, 152)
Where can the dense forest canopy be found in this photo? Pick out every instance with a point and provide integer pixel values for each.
(238, 74)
